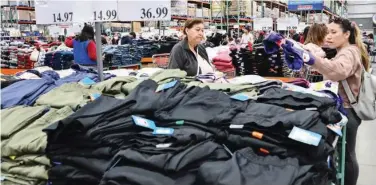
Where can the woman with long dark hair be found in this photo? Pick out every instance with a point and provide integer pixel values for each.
(348, 64)
(84, 48)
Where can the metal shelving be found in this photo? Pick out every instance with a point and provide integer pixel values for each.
(10, 16)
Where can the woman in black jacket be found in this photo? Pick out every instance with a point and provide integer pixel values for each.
(189, 55)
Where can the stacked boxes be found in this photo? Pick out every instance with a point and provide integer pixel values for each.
(258, 11)
(248, 8)
(24, 15)
(243, 7)
(192, 10)
(17, 3)
(237, 6)
(275, 13)
(283, 14)
(268, 12)
(217, 8)
(206, 13)
(199, 12)
(179, 8)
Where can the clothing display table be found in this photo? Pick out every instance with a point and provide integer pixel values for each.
(160, 127)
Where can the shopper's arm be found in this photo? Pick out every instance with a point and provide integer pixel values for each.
(91, 50)
(337, 69)
(176, 57)
(69, 42)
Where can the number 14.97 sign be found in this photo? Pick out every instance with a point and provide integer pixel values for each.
(61, 12)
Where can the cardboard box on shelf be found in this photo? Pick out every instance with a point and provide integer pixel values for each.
(199, 12)
(206, 13)
(179, 8)
(217, 7)
(267, 12)
(24, 15)
(238, 7)
(275, 13)
(192, 10)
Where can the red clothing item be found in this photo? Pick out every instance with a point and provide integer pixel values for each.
(227, 64)
(301, 39)
(91, 48)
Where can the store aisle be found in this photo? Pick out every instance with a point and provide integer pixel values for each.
(366, 149)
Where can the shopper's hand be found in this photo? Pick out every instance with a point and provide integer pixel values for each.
(315, 50)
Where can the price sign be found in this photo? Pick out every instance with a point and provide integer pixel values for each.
(263, 24)
(292, 27)
(301, 27)
(143, 10)
(62, 12)
(104, 10)
(290, 23)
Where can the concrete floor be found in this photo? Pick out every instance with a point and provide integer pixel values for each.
(366, 150)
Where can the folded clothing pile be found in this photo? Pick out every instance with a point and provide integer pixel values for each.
(48, 80)
(175, 134)
(23, 159)
(14, 57)
(59, 60)
(121, 55)
(147, 47)
(5, 56)
(223, 62)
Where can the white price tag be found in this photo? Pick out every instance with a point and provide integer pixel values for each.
(104, 10)
(62, 12)
(144, 10)
(290, 23)
(263, 24)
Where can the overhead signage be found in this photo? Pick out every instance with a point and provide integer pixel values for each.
(302, 5)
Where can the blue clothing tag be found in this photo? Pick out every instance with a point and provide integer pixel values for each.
(144, 122)
(57, 163)
(94, 96)
(163, 131)
(166, 86)
(240, 97)
(305, 136)
(87, 81)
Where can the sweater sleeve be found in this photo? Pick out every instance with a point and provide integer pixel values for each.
(176, 58)
(339, 68)
(69, 42)
(92, 50)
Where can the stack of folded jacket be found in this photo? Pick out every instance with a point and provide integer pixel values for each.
(59, 60)
(23, 58)
(223, 62)
(23, 143)
(151, 138)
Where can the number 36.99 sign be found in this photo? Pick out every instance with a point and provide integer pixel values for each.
(144, 10)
